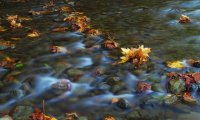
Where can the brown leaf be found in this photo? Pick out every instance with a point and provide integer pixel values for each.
(184, 19)
(143, 86)
(60, 29)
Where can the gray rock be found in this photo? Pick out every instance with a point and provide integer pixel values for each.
(22, 113)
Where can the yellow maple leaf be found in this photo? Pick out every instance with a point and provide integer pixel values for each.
(175, 64)
(49, 118)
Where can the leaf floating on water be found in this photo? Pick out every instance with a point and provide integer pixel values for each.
(2, 29)
(114, 100)
(38, 115)
(25, 18)
(137, 55)
(33, 34)
(184, 19)
(60, 29)
(175, 64)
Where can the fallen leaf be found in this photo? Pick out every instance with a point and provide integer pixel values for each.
(114, 100)
(33, 34)
(93, 32)
(65, 9)
(184, 19)
(38, 115)
(58, 49)
(60, 29)
(109, 118)
(109, 44)
(7, 62)
(175, 64)
(2, 29)
(187, 97)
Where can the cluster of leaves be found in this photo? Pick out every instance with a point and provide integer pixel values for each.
(78, 21)
(182, 84)
(38, 115)
(136, 55)
(14, 21)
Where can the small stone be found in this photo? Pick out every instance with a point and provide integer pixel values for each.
(123, 104)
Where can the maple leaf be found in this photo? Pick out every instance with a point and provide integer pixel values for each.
(175, 64)
(137, 55)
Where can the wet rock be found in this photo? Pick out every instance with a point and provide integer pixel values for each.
(6, 117)
(75, 72)
(157, 87)
(196, 64)
(104, 86)
(176, 86)
(22, 112)
(86, 79)
(83, 118)
(123, 104)
(170, 99)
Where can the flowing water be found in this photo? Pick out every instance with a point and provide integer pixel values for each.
(68, 83)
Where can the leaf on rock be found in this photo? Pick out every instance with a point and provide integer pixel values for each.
(175, 64)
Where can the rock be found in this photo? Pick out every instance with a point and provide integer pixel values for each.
(85, 79)
(123, 104)
(113, 80)
(157, 87)
(83, 118)
(22, 112)
(176, 86)
(6, 118)
(170, 99)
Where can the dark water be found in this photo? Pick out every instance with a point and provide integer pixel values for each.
(131, 23)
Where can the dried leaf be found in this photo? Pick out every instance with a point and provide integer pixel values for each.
(114, 100)
(2, 29)
(175, 64)
(187, 97)
(184, 19)
(33, 34)
(14, 21)
(137, 55)
(109, 118)
(38, 115)
(109, 44)
(60, 29)
(7, 62)
(93, 32)
(65, 9)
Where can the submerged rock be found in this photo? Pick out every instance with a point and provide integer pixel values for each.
(123, 104)
(22, 112)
